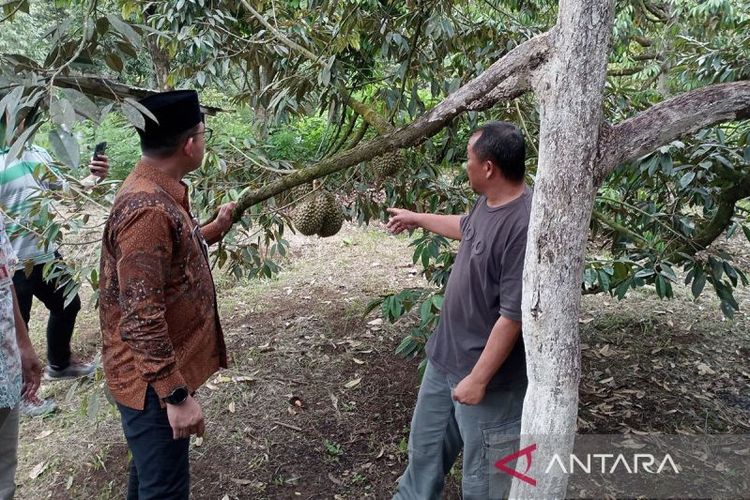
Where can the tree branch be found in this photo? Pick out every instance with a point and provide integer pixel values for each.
(671, 119)
(725, 207)
(643, 41)
(283, 38)
(655, 11)
(617, 227)
(507, 78)
(625, 71)
(96, 86)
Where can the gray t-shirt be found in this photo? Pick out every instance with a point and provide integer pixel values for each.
(485, 283)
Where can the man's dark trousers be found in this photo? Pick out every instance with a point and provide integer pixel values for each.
(160, 467)
(62, 318)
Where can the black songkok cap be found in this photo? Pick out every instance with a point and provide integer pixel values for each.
(177, 111)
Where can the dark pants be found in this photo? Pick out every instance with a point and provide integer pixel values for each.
(62, 319)
(159, 467)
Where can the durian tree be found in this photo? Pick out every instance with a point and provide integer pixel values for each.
(635, 112)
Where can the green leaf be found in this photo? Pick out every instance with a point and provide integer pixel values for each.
(743, 278)
(65, 147)
(717, 269)
(102, 25)
(125, 30)
(437, 301)
(425, 311)
(62, 113)
(668, 272)
(93, 406)
(406, 347)
(746, 230)
(729, 270)
(9, 106)
(621, 271)
(644, 273)
(732, 229)
(699, 282)
(661, 286)
(113, 61)
(622, 289)
(603, 280)
(18, 145)
(727, 309)
(143, 109)
(82, 104)
(133, 115)
(687, 179)
(666, 164)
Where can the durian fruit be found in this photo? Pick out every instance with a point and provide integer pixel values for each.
(333, 216)
(320, 214)
(308, 216)
(387, 164)
(294, 194)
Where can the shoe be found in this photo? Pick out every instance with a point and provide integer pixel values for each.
(75, 369)
(37, 407)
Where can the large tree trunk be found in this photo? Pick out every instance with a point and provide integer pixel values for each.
(570, 94)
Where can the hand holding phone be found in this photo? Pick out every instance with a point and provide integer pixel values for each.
(99, 165)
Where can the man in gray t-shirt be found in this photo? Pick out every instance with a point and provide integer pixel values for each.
(473, 388)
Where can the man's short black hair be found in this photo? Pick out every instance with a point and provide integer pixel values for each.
(164, 146)
(503, 144)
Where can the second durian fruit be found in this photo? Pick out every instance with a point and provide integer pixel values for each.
(387, 164)
(321, 215)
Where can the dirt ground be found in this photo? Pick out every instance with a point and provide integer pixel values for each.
(316, 405)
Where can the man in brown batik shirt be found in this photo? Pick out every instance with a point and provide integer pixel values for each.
(160, 325)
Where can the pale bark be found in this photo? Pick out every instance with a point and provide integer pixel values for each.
(161, 62)
(671, 119)
(570, 96)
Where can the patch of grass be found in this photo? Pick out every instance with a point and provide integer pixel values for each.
(333, 448)
(358, 478)
(280, 480)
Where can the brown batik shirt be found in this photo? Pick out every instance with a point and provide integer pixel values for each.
(159, 320)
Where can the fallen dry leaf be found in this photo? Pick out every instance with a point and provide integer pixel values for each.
(704, 369)
(38, 470)
(353, 383)
(44, 434)
(241, 482)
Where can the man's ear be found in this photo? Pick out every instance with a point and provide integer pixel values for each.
(489, 168)
(187, 148)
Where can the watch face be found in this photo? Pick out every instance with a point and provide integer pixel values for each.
(178, 396)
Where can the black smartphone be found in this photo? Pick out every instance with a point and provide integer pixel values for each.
(99, 149)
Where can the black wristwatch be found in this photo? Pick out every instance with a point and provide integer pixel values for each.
(177, 396)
